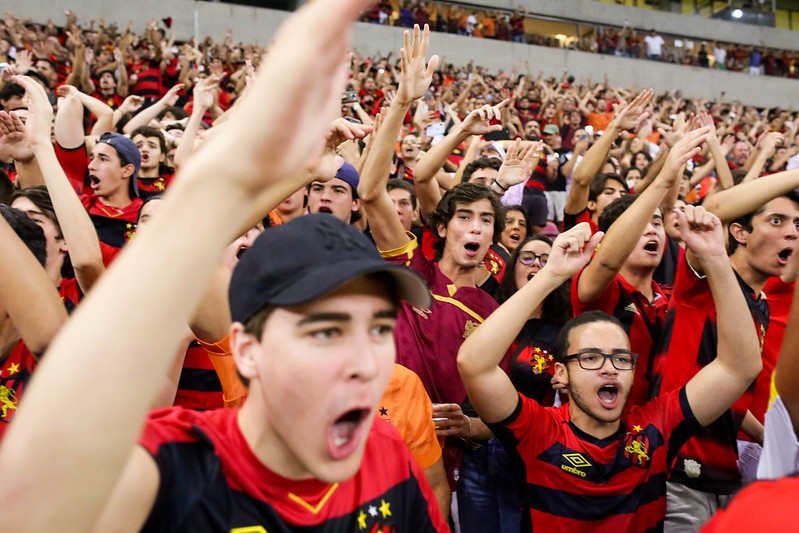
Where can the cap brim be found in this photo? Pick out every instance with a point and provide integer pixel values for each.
(325, 278)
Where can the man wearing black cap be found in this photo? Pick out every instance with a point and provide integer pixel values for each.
(112, 196)
(302, 453)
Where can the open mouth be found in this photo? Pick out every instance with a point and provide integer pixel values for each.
(325, 210)
(651, 246)
(341, 437)
(515, 237)
(785, 255)
(472, 247)
(608, 394)
(94, 182)
(241, 250)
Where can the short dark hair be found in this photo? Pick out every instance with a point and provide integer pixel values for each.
(400, 183)
(463, 193)
(27, 230)
(589, 317)
(746, 221)
(149, 131)
(479, 164)
(178, 112)
(10, 90)
(614, 210)
(598, 184)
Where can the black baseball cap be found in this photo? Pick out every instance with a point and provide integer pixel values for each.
(298, 262)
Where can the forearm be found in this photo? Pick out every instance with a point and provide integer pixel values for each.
(78, 229)
(746, 197)
(752, 428)
(27, 293)
(723, 174)
(427, 167)
(595, 157)
(144, 117)
(786, 373)
(377, 165)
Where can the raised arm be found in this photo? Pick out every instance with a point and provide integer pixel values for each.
(476, 123)
(746, 197)
(628, 117)
(737, 361)
(268, 140)
(415, 77)
(27, 294)
(626, 231)
(489, 388)
(77, 227)
(142, 118)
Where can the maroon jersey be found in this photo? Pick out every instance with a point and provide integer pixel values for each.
(428, 339)
(15, 372)
(571, 481)
(642, 320)
(212, 481)
(708, 461)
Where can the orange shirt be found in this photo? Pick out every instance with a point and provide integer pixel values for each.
(408, 407)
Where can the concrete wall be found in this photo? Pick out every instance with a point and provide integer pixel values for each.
(258, 25)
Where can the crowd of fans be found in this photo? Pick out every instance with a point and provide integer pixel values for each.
(624, 41)
(489, 185)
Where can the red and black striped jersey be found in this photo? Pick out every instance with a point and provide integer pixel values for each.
(572, 481)
(707, 462)
(642, 320)
(212, 481)
(198, 386)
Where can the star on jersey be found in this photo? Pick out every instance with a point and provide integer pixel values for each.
(383, 411)
(385, 508)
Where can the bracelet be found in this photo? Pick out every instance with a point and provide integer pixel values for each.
(469, 426)
(498, 184)
(697, 274)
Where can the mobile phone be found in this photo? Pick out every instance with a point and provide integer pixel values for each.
(349, 97)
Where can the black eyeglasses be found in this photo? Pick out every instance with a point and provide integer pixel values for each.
(594, 359)
(528, 258)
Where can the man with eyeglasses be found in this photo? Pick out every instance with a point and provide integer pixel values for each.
(594, 463)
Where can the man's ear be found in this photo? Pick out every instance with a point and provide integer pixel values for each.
(356, 205)
(441, 229)
(739, 233)
(244, 347)
(127, 170)
(561, 373)
(591, 205)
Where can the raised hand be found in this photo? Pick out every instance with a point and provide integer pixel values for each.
(206, 93)
(630, 116)
(684, 149)
(415, 76)
(701, 231)
(571, 251)
(478, 122)
(520, 161)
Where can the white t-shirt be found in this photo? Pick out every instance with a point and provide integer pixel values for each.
(654, 45)
(780, 455)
